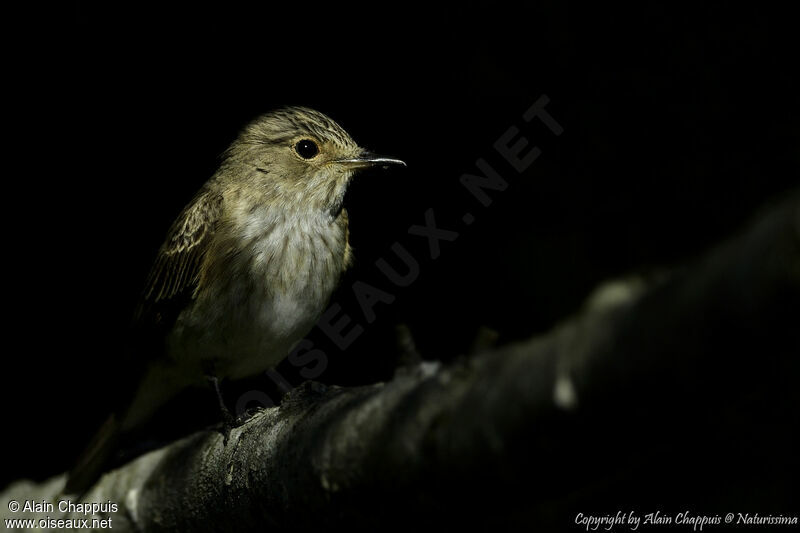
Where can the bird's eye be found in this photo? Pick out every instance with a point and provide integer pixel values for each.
(306, 149)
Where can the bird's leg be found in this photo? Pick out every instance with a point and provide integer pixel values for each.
(228, 420)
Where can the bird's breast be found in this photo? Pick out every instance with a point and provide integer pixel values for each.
(265, 290)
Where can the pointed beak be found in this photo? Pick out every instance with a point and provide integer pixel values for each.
(368, 159)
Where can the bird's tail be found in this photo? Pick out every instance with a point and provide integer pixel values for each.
(95, 458)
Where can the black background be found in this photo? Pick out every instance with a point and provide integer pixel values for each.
(678, 124)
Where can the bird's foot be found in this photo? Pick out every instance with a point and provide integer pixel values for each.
(229, 421)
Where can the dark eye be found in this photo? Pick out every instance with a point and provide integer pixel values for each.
(306, 149)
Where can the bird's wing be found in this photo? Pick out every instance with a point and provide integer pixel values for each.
(170, 286)
(176, 271)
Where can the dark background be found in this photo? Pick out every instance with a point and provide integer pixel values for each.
(678, 125)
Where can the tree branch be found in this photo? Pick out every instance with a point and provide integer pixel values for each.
(656, 393)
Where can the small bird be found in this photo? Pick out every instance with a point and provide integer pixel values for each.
(246, 269)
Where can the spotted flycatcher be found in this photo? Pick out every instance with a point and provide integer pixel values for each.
(246, 268)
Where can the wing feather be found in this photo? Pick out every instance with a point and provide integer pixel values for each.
(176, 270)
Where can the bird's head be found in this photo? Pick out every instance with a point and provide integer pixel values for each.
(299, 156)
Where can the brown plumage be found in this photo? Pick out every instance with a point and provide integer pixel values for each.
(246, 268)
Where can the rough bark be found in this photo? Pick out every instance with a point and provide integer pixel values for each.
(678, 391)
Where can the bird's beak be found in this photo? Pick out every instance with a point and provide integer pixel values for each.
(368, 159)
